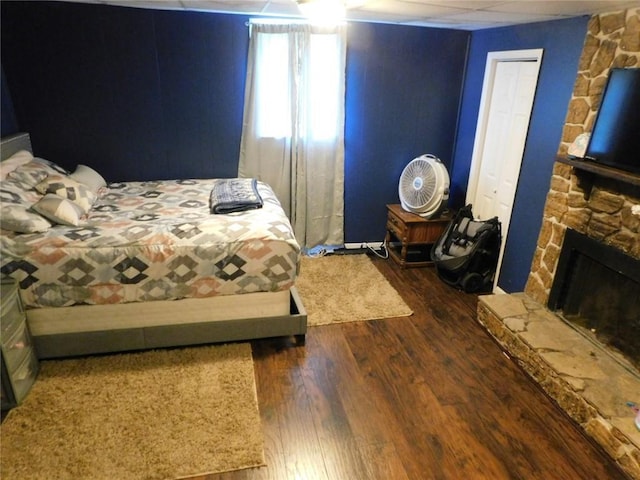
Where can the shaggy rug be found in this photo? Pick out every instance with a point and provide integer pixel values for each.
(158, 414)
(346, 288)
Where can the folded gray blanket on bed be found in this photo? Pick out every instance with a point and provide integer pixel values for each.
(230, 195)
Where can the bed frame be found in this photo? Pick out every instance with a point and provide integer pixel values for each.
(90, 329)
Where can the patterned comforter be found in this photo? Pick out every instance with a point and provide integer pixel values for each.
(147, 241)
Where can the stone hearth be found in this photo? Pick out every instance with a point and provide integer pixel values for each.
(587, 382)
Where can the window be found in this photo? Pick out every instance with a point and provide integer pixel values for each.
(273, 92)
(293, 124)
(318, 98)
(324, 86)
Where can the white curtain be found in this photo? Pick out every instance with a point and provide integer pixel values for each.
(293, 126)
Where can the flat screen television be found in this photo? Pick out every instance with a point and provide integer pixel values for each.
(615, 139)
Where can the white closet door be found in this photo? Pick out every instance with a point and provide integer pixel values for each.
(508, 100)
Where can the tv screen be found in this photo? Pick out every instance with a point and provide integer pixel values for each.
(615, 139)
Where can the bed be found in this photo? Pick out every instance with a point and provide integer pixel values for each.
(138, 265)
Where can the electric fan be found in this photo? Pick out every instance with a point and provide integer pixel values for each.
(424, 186)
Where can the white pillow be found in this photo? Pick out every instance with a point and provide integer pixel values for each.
(13, 162)
(66, 187)
(17, 218)
(89, 177)
(59, 210)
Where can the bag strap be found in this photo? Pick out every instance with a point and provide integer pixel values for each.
(459, 223)
(461, 235)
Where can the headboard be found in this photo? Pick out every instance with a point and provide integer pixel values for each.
(14, 143)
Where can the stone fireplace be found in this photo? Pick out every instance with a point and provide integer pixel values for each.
(585, 376)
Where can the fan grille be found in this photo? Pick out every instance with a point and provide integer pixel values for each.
(424, 185)
(418, 183)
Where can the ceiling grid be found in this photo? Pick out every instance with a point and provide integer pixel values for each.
(455, 14)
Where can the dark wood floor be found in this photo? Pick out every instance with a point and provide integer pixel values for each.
(429, 396)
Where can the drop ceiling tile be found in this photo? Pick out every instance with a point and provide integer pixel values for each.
(225, 5)
(551, 7)
(453, 25)
(462, 14)
(205, 4)
(376, 17)
(288, 3)
(488, 17)
(287, 9)
(463, 4)
(160, 4)
(284, 8)
(407, 9)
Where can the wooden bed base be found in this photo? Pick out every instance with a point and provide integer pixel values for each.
(54, 339)
(92, 329)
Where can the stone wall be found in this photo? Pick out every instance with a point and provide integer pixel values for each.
(604, 210)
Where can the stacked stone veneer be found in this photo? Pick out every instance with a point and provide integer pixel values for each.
(602, 208)
(603, 211)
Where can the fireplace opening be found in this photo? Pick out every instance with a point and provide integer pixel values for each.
(597, 290)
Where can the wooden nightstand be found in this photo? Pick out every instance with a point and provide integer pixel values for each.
(410, 237)
(19, 362)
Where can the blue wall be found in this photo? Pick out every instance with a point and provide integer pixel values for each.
(8, 124)
(562, 42)
(403, 93)
(141, 94)
(137, 94)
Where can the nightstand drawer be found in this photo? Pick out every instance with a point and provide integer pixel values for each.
(396, 226)
(24, 376)
(19, 361)
(11, 309)
(16, 347)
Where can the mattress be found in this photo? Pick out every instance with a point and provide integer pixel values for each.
(146, 241)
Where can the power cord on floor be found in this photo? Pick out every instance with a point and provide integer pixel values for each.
(384, 249)
(317, 252)
(324, 250)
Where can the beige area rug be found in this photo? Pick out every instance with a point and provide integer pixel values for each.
(346, 288)
(155, 415)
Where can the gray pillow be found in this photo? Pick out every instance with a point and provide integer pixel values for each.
(17, 218)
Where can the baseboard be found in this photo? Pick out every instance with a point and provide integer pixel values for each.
(359, 248)
(361, 245)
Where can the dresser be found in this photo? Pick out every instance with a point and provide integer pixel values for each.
(410, 237)
(19, 361)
